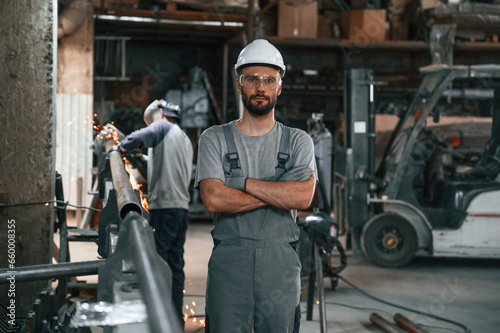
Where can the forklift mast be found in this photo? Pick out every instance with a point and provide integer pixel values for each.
(354, 157)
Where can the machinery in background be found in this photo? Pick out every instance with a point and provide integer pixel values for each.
(193, 100)
(425, 197)
(323, 150)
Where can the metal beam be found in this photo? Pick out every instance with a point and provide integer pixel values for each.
(50, 271)
(162, 316)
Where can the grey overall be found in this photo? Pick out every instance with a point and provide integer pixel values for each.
(254, 271)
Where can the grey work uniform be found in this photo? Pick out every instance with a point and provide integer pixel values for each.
(253, 273)
(167, 184)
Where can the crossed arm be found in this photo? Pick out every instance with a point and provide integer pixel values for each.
(219, 198)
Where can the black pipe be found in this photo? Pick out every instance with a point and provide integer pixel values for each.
(61, 217)
(50, 271)
(311, 282)
(82, 286)
(162, 316)
(125, 196)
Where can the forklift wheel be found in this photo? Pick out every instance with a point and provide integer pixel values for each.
(389, 240)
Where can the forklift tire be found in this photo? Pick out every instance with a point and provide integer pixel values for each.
(389, 240)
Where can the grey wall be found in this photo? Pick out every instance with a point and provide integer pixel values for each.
(27, 77)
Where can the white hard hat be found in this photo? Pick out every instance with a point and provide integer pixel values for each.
(260, 52)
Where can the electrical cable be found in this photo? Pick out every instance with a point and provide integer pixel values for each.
(361, 308)
(16, 204)
(465, 328)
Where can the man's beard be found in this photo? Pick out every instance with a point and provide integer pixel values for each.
(259, 109)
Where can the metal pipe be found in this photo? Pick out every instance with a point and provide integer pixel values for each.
(407, 324)
(61, 216)
(124, 70)
(312, 278)
(371, 133)
(225, 80)
(125, 196)
(384, 325)
(50, 271)
(82, 286)
(321, 290)
(250, 20)
(161, 314)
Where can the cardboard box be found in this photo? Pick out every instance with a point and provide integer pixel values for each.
(364, 25)
(428, 4)
(298, 19)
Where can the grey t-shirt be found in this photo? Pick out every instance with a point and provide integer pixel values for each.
(170, 163)
(258, 160)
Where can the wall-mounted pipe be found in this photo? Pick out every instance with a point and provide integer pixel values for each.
(72, 17)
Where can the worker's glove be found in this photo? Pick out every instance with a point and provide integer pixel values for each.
(237, 183)
(297, 174)
(120, 149)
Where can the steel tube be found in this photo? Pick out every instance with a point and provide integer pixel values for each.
(384, 325)
(125, 196)
(61, 216)
(161, 314)
(312, 278)
(321, 290)
(407, 324)
(51, 271)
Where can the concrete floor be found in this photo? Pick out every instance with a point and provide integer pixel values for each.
(466, 291)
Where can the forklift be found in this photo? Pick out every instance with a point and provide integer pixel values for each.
(418, 200)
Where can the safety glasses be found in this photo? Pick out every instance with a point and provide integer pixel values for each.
(252, 81)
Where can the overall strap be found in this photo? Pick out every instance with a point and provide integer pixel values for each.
(283, 155)
(232, 152)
